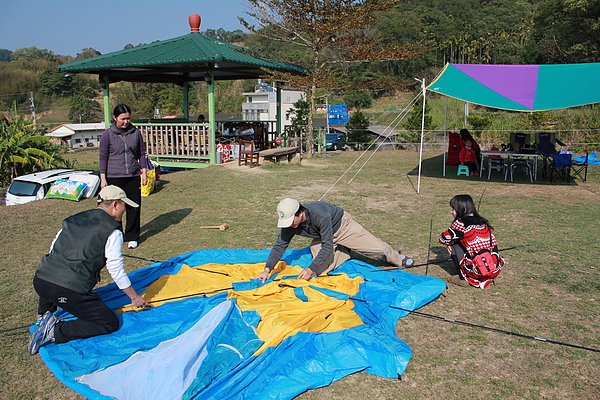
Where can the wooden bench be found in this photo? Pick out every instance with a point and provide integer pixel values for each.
(280, 153)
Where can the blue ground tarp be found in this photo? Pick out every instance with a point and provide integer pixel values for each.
(203, 347)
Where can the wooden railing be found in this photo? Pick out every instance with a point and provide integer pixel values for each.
(181, 140)
(179, 143)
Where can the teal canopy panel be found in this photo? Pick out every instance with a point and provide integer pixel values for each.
(521, 87)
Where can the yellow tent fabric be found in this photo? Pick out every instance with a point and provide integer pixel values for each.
(282, 313)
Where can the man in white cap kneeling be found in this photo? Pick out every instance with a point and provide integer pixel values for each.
(334, 233)
(87, 242)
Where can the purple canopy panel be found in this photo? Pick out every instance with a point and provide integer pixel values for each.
(515, 82)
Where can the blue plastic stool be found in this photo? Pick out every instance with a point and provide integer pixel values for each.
(462, 170)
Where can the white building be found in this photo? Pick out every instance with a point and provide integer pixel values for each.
(78, 135)
(261, 105)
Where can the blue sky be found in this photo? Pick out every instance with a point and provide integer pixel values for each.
(68, 26)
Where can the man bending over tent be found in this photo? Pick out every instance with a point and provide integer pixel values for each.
(334, 233)
(65, 277)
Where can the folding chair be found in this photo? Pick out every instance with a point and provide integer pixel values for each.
(546, 146)
(497, 163)
(519, 140)
(522, 164)
(561, 166)
(579, 168)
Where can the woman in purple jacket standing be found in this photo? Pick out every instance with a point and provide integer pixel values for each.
(123, 164)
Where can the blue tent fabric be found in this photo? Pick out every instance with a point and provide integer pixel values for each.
(227, 366)
(591, 159)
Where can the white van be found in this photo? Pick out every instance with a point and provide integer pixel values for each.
(31, 187)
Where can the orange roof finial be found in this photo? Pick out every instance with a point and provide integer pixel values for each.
(194, 20)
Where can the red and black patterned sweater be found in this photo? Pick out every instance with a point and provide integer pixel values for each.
(473, 237)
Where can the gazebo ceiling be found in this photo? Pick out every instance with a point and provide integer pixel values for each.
(182, 59)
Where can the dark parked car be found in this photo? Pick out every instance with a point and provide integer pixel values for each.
(335, 141)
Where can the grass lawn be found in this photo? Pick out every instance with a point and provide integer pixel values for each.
(549, 289)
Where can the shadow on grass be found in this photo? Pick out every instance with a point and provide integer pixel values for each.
(162, 222)
(160, 184)
(439, 256)
(434, 168)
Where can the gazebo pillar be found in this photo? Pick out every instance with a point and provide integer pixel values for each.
(105, 83)
(185, 102)
(211, 117)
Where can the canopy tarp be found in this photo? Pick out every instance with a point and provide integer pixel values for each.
(521, 87)
(215, 333)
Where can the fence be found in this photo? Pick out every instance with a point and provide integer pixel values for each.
(183, 141)
(189, 144)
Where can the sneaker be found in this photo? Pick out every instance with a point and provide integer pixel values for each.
(132, 244)
(406, 261)
(44, 334)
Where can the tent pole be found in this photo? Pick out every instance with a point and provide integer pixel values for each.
(422, 135)
(445, 134)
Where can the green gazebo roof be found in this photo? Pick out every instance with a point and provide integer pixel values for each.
(182, 59)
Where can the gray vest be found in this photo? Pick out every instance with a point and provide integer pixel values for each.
(78, 253)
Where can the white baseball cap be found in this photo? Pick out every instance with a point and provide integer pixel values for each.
(286, 209)
(112, 192)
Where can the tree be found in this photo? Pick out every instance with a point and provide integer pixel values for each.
(23, 150)
(358, 99)
(299, 116)
(34, 59)
(567, 31)
(55, 82)
(226, 36)
(358, 126)
(84, 109)
(5, 55)
(325, 37)
(87, 53)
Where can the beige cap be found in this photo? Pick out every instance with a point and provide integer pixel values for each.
(285, 212)
(112, 192)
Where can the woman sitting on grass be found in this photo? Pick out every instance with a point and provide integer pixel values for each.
(471, 243)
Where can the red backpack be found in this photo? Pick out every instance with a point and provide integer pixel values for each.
(487, 264)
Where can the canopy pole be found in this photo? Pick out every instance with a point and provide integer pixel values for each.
(422, 136)
(445, 134)
(185, 101)
(211, 117)
(105, 82)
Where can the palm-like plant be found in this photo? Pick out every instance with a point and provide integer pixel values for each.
(24, 150)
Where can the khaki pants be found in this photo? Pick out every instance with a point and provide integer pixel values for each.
(351, 235)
